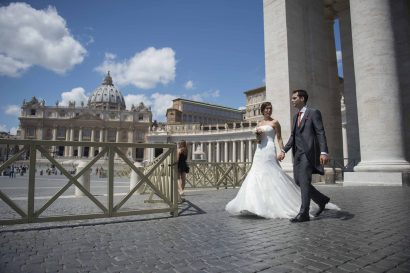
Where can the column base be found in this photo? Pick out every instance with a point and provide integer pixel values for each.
(383, 166)
(376, 179)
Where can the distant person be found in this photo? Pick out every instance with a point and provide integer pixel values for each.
(183, 168)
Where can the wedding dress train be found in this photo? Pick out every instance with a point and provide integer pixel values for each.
(267, 190)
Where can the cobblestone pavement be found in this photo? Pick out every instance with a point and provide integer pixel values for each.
(370, 234)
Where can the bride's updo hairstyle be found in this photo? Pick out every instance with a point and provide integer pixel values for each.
(264, 105)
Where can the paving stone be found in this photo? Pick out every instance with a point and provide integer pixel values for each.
(359, 238)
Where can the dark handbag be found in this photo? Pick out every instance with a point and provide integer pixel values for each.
(187, 169)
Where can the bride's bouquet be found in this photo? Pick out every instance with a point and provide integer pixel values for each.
(258, 133)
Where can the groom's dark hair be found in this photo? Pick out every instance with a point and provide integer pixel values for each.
(302, 93)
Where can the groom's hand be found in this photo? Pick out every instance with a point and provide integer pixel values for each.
(323, 159)
(281, 156)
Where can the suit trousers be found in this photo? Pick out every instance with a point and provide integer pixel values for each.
(302, 173)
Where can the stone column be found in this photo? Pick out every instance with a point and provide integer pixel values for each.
(80, 138)
(249, 150)
(329, 102)
(131, 150)
(102, 133)
(92, 148)
(242, 150)
(117, 140)
(349, 85)
(226, 151)
(54, 148)
(378, 96)
(299, 54)
(67, 138)
(71, 150)
(193, 150)
(209, 151)
(218, 156)
(234, 151)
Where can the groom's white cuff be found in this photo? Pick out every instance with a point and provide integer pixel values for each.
(283, 150)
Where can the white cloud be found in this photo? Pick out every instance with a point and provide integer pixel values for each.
(159, 103)
(12, 110)
(36, 37)
(205, 95)
(76, 94)
(136, 100)
(4, 128)
(242, 108)
(189, 85)
(12, 67)
(13, 130)
(145, 69)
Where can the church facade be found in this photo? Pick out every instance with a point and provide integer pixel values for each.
(103, 119)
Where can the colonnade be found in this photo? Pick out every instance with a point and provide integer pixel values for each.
(375, 36)
(218, 151)
(69, 151)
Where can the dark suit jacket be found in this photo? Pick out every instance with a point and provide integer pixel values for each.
(314, 138)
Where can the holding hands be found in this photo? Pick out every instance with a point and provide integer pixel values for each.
(281, 156)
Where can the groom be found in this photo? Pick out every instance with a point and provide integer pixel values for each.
(309, 149)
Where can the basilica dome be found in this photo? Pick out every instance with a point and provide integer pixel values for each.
(106, 96)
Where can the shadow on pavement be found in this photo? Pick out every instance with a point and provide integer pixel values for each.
(187, 208)
(338, 214)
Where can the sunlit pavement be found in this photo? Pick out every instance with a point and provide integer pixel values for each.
(370, 234)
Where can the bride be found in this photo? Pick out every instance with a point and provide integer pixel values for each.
(268, 191)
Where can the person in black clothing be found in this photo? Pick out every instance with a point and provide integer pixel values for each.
(182, 155)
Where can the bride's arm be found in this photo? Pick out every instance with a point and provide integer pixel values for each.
(278, 134)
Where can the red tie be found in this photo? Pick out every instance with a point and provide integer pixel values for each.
(299, 118)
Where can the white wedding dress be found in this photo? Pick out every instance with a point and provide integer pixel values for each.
(267, 190)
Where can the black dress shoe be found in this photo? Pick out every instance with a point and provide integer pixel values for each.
(322, 207)
(300, 218)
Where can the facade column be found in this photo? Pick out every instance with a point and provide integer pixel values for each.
(131, 150)
(80, 138)
(71, 151)
(226, 151)
(102, 133)
(382, 145)
(67, 138)
(209, 151)
(249, 150)
(117, 140)
(92, 148)
(54, 148)
(242, 151)
(218, 152)
(234, 151)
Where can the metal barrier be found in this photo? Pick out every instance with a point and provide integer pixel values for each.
(165, 188)
(210, 174)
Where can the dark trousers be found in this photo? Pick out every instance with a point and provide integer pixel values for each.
(302, 173)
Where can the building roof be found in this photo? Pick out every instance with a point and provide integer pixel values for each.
(255, 90)
(208, 104)
(106, 96)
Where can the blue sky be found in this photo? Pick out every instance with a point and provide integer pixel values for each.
(156, 50)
